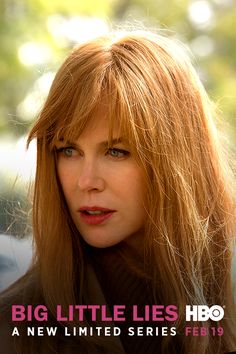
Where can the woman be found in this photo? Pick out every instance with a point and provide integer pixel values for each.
(132, 202)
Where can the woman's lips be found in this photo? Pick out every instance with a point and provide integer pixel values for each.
(95, 215)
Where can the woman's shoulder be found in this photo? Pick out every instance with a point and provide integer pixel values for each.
(6, 331)
(6, 324)
(18, 293)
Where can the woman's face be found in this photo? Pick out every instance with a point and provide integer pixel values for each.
(103, 187)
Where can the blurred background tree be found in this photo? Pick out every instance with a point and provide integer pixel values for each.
(35, 36)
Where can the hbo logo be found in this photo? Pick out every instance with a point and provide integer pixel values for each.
(204, 313)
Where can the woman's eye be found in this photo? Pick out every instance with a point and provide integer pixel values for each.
(67, 151)
(117, 153)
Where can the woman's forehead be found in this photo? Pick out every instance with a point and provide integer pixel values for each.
(100, 124)
(99, 128)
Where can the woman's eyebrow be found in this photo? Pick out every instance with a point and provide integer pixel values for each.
(105, 143)
(64, 142)
(111, 142)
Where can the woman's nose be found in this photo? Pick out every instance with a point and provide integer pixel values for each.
(91, 177)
